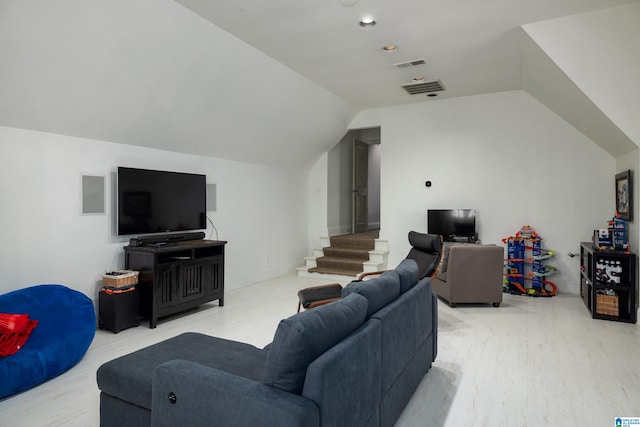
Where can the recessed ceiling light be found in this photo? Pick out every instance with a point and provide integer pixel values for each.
(418, 79)
(367, 21)
(390, 48)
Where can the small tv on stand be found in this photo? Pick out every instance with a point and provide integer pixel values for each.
(454, 225)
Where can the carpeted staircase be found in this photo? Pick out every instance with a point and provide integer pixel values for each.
(347, 255)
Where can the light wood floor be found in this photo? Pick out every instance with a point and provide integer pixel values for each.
(530, 362)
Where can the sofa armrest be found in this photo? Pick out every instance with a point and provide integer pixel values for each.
(209, 396)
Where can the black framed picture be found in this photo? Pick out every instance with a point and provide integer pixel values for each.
(624, 195)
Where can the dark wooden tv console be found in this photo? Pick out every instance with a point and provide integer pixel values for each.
(177, 277)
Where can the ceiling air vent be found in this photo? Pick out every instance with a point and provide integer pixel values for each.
(424, 87)
(413, 63)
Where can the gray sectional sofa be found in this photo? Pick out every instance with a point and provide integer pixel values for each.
(355, 362)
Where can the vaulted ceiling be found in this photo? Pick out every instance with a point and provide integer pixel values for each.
(472, 46)
(273, 83)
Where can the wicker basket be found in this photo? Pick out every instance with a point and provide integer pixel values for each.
(125, 278)
(607, 304)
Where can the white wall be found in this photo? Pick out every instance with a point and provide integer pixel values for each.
(631, 162)
(261, 211)
(599, 52)
(318, 195)
(340, 185)
(504, 154)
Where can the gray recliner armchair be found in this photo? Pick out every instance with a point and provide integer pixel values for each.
(470, 273)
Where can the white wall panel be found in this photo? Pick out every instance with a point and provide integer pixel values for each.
(261, 211)
(504, 154)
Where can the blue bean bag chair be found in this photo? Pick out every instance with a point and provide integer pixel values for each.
(66, 326)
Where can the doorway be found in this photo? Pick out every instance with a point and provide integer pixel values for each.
(353, 196)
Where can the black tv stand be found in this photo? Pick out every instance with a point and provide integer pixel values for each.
(158, 244)
(177, 276)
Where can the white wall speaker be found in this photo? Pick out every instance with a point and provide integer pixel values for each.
(93, 201)
(211, 197)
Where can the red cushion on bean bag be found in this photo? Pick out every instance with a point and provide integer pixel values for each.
(11, 343)
(10, 323)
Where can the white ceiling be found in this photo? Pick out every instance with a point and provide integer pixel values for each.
(271, 82)
(471, 46)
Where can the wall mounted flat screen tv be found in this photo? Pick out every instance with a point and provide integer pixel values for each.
(452, 223)
(151, 201)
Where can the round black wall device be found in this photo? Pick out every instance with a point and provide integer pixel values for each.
(428, 183)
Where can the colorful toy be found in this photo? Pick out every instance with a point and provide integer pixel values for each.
(614, 237)
(619, 227)
(527, 275)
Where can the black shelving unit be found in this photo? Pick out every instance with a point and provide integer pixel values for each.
(607, 280)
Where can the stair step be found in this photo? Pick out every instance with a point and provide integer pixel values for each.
(378, 256)
(336, 271)
(347, 264)
(346, 242)
(346, 253)
(341, 278)
(370, 267)
(381, 245)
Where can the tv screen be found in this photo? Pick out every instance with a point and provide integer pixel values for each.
(151, 201)
(452, 223)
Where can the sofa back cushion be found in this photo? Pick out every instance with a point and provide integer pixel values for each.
(444, 262)
(379, 291)
(406, 324)
(303, 337)
(408, 272)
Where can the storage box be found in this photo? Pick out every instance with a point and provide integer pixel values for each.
(121, 279)
(607, 304)
(118, 311)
